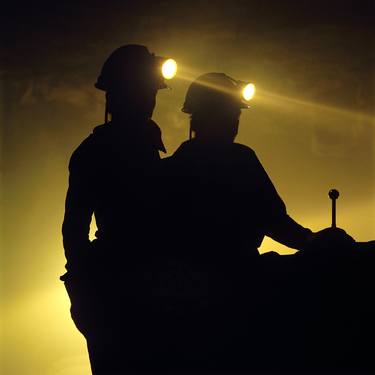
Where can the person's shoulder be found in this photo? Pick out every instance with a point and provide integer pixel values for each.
(180, 153)
(246, 156)
(175, 163)
(244, 151)
(88, 147)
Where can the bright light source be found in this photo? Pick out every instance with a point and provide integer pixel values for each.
(169, 69)
(248, 91)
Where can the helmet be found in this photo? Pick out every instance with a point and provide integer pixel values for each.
(212, 90)
(128, 65)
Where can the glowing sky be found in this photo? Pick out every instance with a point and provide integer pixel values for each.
(311, 124)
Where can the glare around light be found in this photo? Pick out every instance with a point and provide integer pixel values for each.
(248, 91)
(169, 69)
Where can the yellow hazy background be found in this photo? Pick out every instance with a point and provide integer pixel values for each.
(311, 124)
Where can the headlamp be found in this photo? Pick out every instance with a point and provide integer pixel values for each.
(244, 90)
(248, 91)
(169, 69)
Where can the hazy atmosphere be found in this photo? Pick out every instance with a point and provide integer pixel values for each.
(311, 125)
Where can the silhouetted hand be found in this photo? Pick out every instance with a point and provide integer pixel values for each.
(330, 241)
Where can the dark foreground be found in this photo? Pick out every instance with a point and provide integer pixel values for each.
(309, 313)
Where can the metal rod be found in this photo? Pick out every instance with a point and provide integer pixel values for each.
(333, 194)
(333, 213)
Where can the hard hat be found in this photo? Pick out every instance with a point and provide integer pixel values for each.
(133, 64)
(211, 90)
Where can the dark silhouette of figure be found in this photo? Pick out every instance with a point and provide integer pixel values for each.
(221, 203)
(110, 177)
(189, 291)
(230, 202)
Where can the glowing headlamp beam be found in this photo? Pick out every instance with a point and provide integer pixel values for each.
(169, 69)
(246, 91)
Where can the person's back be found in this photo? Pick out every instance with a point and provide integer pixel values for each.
(113, 167)
(227, 200)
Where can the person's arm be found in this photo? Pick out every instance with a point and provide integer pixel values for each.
(282, 228)
(288, 232)
(78, 213)
(277, 223)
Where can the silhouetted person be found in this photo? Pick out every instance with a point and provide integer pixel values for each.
(229, 200)
(221, 203)
(110, 177)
